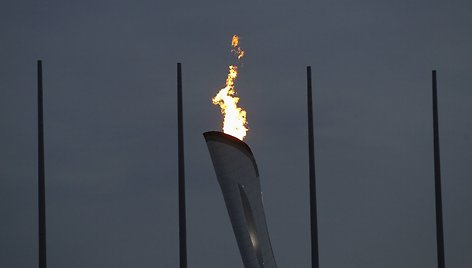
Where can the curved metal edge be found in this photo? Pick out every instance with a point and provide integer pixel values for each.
(232, 141)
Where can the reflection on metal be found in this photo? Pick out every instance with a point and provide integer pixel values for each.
(251, 225)
(237, 174)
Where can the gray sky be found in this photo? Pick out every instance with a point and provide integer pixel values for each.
(110, 127)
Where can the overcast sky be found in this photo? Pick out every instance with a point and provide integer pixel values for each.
(111, 137)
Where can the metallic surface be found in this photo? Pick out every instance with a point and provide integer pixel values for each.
(437, 178)
(41, 184)
(182, 211)
(237, 174)
(311, 151)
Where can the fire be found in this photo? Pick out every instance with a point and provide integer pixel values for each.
(235, 47)
(234, 122)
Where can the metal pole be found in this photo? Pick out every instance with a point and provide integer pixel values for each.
(41, 186)
(182, 219)
(437, 179)
(311, 150)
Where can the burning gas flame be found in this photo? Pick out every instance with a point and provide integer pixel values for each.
(234, 122)
(235, 47)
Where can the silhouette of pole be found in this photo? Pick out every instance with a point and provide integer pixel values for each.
(41, 186)
(437, 178)
(182, 212)
(311, 150)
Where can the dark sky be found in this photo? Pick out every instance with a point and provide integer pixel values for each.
(111, 138)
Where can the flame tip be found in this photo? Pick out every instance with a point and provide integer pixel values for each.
(234, 122)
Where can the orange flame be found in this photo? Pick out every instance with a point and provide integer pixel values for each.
(234, 122)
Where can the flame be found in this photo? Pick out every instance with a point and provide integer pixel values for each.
(235, 47)
(234, 122)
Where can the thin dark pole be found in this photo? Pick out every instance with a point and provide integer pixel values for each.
(437, 178)
(41, 186)
(311, 149)
(182, 219)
